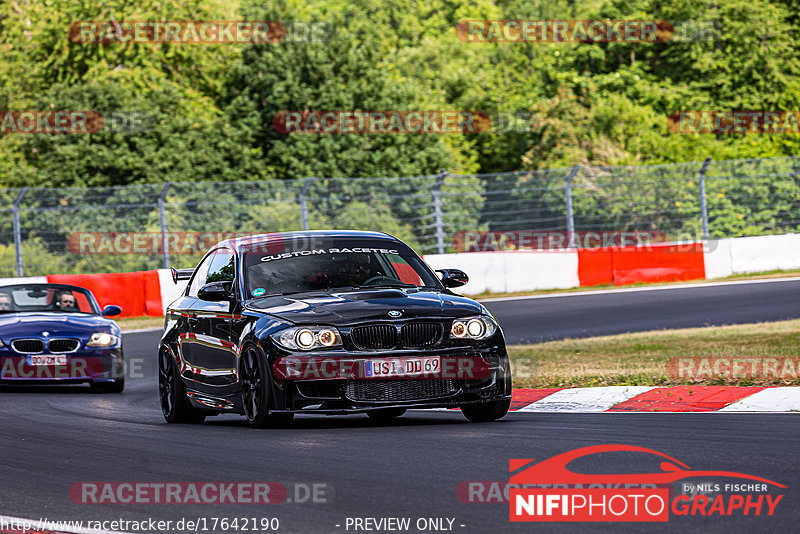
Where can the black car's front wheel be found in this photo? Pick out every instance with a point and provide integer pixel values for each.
(256, 390)
(486, 411)
(492, 410)
(172, 394)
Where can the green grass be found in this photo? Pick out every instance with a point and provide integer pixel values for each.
(641, 358)
(135, 323)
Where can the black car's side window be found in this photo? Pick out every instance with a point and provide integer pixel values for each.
(200, 274)
(222, 268)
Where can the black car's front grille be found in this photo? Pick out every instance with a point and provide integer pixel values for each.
(28, 346)
(421, 334)
(385, 336)
(379, 336)
(399, 390)
(63, 345)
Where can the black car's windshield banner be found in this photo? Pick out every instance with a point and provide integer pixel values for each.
(356, 250)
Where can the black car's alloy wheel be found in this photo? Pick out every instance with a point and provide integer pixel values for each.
(256, 398)
(172, 394)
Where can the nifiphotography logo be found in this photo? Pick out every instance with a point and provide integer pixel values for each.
(549, 491)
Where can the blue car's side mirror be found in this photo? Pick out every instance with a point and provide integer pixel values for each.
(111, 310)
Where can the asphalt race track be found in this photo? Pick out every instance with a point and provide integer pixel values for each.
(54, 437)
(617, 312)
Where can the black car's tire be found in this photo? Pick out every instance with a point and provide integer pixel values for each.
(494, 410)
(116, 386)
(386, 414)
(257, 391)
(172, 394)
(486, 411)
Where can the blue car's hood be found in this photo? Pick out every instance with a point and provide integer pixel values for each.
(14, 325)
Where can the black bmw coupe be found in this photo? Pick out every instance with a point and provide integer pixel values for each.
(327, 322)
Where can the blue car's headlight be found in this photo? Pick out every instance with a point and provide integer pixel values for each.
(479, 327)
(102, 339)
(307, 337)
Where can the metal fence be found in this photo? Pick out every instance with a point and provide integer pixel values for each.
(72, 230)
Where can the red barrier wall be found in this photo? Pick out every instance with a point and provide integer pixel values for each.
(631, 265)
(137, 293)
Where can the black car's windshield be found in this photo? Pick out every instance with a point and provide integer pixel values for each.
(324, 264)
(58, 298)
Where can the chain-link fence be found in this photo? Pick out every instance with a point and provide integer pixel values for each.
(113, 229)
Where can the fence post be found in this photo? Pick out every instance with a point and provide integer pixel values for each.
(703, 206)
(570, 213)
(436, 196)
(18, 232)
(163, 218)
(303, 206)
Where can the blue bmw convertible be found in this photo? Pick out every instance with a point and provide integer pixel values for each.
(56, 333)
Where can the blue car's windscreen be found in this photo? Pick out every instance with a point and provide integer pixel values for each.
(46, 298)
(330, 263)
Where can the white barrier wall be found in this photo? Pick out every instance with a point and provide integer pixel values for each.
(741, 255)
(169, 291)
(23, 280)
(507, 272)
(717, 258)
(765, 253)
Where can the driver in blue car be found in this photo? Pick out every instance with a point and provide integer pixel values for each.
(66, 302)
(5, 302)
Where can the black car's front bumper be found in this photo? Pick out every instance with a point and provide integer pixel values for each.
(359, 395)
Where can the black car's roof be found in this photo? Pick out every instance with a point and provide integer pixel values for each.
(237, 243)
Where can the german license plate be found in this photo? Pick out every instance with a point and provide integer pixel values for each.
(402, 367)
(47, 359)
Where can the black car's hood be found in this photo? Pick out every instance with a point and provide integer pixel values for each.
(342, 308)
(55, 323)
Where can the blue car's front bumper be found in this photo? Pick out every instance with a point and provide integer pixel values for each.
(84, 365)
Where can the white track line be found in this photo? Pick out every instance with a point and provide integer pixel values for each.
(643, 288)
(595, 399)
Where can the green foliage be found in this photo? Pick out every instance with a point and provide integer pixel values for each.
(211, 109)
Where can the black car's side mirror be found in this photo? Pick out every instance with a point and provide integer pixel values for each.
(453, 277)
(215, 292)
(111, 310)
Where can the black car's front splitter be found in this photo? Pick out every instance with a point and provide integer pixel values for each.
(378, 407)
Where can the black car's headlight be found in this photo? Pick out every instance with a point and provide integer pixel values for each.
(307, 337)
(479, 327)
(102, 339)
